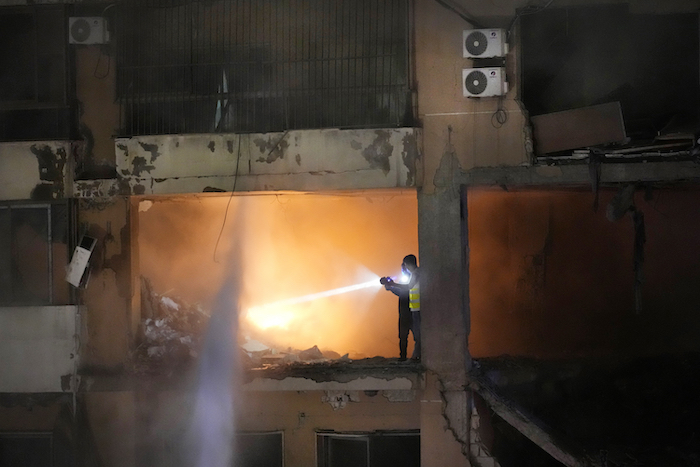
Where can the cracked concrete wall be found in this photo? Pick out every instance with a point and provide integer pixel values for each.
(444, 326)
(305, 160)
(39, 171)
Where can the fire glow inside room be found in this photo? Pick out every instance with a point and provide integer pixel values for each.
(291, 248)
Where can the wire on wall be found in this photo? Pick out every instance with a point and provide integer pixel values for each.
(528, 9)
(500, 116)
(465, 16)
(233, 190)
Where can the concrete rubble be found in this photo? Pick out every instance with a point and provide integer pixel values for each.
(172, 333)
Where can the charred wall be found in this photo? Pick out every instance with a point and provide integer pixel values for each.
(552, 278)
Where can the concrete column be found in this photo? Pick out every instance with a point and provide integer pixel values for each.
(443, 248)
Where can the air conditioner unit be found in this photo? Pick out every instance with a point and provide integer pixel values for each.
(484, 82)
(87, 30)
(484, 43)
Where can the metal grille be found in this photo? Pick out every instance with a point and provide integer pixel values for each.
(34, 79)
(262, 65)
(34, 241)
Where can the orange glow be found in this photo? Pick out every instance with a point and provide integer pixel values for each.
(293, 246)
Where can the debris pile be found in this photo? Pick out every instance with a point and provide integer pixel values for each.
(259, 355)
(172, 332)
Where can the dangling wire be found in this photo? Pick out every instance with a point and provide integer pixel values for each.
(529, 9)
(233, 190)
(500, 116)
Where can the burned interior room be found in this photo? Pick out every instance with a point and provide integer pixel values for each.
(310, 267)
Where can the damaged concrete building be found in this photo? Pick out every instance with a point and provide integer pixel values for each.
(165, 163)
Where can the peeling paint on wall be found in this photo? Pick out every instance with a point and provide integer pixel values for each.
(50, 164)
(89, 143)
(273, 149)
(410, 157)
(51, 169)
(379, 152)
(125, 148)
(152, 148)
(139, 165)
(298, 160)
(66, 382)
(448, 172)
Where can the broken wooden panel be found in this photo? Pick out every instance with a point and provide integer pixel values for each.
(577, 128)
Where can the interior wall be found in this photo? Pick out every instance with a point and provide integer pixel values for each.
(291, 246)
(552, 278)
(106, 335)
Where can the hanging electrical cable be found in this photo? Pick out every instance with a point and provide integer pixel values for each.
(465, 16)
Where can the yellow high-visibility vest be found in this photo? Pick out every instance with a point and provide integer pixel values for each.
(414, 297)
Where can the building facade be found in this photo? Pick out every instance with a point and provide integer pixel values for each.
(163, 101)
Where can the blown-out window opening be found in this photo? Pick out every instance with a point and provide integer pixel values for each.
(262, 65)
(34, 252)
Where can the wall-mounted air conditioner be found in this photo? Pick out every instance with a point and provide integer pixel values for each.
(484, 82)
(87, 30)
(484, 43)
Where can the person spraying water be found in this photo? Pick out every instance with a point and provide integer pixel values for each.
(407, 288)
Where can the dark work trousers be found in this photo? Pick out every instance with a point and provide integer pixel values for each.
(405, 325)
(415, 327)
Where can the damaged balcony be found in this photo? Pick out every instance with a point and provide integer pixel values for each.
(313, 314)
(173, 336)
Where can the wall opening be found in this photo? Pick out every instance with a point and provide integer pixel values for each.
(555, 327)
(581, 56)
(292, 245)
(552, 278)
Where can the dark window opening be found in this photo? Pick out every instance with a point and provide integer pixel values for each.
(34, 102)
(368, 450)
(261, 66)
(26, 449)
(34, 252)
(583, 56)
(259, 450)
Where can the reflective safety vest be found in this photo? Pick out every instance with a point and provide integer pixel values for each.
(414, 297)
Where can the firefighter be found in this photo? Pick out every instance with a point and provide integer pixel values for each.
(409, 305)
